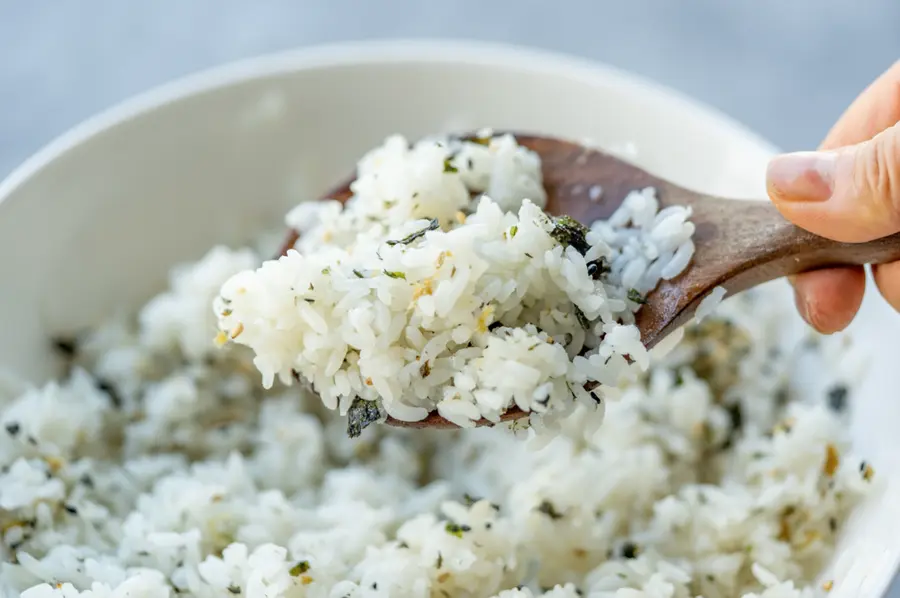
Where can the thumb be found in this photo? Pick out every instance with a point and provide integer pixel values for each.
(851, 194)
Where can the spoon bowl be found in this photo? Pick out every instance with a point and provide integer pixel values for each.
(739, 244)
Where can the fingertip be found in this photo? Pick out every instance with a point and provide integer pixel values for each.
(887, 279)
(829, 299)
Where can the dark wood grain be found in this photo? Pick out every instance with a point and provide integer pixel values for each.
(739, 243)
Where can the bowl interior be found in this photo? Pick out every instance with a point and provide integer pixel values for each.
(92, 225)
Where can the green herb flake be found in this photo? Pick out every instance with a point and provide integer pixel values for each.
(226, 313)
(360, 416)
(432, 225)
(454, 529)
(448, 165)
(547, 508)
(311, 287)
(308, 300)
(358, 274)
(470, 500)
(326, 271)
(513, 230)
(529, 256)
(299, 569)
(440, 561)
(630, 550)
(633, 295)
(568, 231)
(482, 140)
(234, 589)
(395, 274)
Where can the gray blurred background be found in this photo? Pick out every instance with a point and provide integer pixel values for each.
(786, 68)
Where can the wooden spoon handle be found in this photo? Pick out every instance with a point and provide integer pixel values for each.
(747, 243)
(742, 244)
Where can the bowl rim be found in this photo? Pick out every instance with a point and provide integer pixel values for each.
(387, 51)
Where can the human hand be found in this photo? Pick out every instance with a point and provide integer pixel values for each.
(847, 191)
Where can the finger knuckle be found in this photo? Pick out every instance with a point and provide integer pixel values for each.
(878, 171)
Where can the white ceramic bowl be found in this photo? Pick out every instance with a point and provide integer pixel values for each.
(93, 222)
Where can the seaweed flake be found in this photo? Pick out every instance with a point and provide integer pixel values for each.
(70, 509)
(440, 561)
(629, 550)
(110, 390)
(546, 507)
(13, 428)
(837, 397)
(234, 589)
(299, 569)
(568, 231)
(582, 319)
(358, 274)
(529, 256)
(736, 419)
(433, 224)
(68, 347)
(597, 268)
(634, 295)
(360, 416)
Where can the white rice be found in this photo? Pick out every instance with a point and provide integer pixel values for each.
(160, 466)
(709, 304)
(411, 326)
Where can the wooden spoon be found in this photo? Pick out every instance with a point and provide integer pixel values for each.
(739, 244)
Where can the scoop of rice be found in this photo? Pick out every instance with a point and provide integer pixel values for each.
(442, 285)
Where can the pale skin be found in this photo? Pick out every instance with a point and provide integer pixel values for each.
(848, 190)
